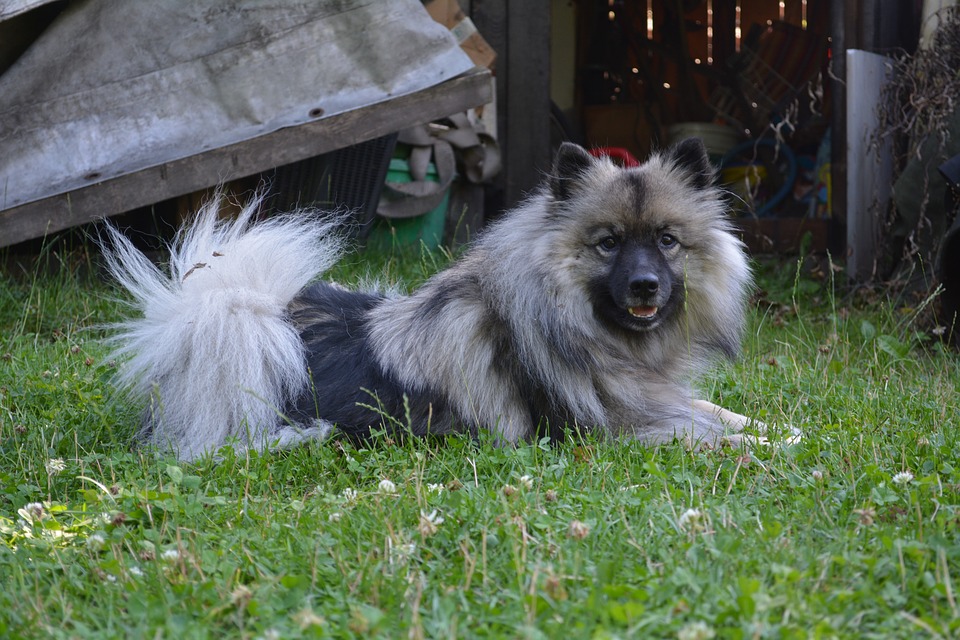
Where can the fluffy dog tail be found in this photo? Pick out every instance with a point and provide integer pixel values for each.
(210, 348)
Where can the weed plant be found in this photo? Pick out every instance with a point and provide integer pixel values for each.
(849, 533)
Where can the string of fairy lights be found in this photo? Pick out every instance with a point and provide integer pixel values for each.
(651, 23)
(738, 12)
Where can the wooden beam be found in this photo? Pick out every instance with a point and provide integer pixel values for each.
(869, 171)
(490, 17)
(172, 179)
(527, 154)
(520, 34)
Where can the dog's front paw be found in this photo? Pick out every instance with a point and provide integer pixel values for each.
(791, 436)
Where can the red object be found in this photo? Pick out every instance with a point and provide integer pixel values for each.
(621, 155)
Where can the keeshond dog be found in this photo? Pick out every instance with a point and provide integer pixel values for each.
(595, 304)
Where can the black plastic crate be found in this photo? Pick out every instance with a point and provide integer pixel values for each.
(347, 179)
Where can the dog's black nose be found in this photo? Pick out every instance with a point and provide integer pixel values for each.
(644, 284)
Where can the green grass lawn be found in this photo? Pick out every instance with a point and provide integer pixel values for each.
(850, 533)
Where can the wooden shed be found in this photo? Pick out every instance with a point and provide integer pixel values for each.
(109, 105)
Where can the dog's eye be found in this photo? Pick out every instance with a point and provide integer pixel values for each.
(608, 243)
(667, 240)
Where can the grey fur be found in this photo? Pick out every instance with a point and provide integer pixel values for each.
(598, 301)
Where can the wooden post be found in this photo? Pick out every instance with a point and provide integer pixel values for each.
(869, 169)
(520, 34)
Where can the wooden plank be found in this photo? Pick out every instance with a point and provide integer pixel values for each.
(520, 34)
(172, 179)
(869, 171)
(527, 157)
(838, 111)
(490, 18)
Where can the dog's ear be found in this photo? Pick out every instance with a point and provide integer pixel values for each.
(571, 163)
(691, 155)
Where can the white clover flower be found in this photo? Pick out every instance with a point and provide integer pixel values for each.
(578, 530)
(866, 516)
(698, 630)
(429, 522)
(306, 618)
(904, 477)
(96, 541)
(350, 494)
(436, 488)
(386, 486)
(817, 475)
(241, 595)
(399, 553)
(692, 520)
(170, 555)
(135, 571)
(526, 482)
(55, 466)
(334, 517)
(32, 512)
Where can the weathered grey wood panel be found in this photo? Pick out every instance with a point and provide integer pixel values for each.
(103, 199)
